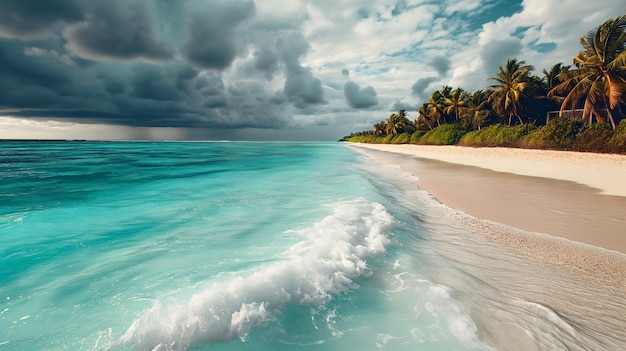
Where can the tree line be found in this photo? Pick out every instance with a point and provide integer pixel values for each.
(592, 89)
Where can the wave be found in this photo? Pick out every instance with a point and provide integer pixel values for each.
(325, 265)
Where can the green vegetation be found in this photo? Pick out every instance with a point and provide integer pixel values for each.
(447, 134)
(559, 134)
(497, 135)
(513, 111)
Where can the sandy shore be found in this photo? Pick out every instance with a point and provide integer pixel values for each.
(576, 196)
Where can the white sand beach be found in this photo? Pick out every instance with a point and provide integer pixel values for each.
(605, 172)
(576, 196)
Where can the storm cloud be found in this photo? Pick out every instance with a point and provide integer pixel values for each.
(301, 86)
(110, 62)
(28, 19)
(419, 87)
(211, 41)
(360, 98)
(441, 64)
(116, 32)
(239, 65)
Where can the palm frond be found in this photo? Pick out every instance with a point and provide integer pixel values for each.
(615, 87)
(619, 63)
(577, 92)
(611, 42)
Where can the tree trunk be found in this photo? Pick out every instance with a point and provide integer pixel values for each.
(611, 118)
(427, 124)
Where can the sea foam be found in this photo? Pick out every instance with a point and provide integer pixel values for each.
(326, 264)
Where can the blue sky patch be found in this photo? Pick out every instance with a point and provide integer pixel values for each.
(491, 12)
(543, 47)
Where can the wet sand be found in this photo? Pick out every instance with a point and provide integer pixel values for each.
(551, 274)
(565, 205)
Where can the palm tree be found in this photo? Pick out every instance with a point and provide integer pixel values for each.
(407, 125)
(379, 128)
(551, 78)
(599, 79)
(455, 102)
(475, 111)
(425, 117)
(391, 125)
(435, 104)
(398, 123)
(509, 88)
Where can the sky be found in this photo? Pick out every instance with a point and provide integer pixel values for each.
(260, 69)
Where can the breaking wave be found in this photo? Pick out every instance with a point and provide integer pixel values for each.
(327, 263)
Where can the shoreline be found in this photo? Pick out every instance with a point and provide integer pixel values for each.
(558, 193)
(591, 169)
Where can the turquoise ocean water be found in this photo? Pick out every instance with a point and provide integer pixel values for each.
(235, 246)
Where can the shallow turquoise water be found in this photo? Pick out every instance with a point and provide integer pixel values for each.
(269, 246)
(217, 246)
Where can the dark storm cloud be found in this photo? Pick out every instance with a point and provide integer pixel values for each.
(128, 63)
(419, 87)
(27, 19)
(301, 87)
(360, 98)
(138, 94)
(401, 105)
(441, 64)
(278, 52)
(163, 83)
(255, 107)
(211, 41)
(212, 89)
(177, 95)
(116, 32)
(495, 53)
(267, 62)
(28, 80)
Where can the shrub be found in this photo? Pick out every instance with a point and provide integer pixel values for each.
(401, 139)
(387, 139)
(445, 134)
(371, 139)
(497, 135)
(354, 138)
(594, 138)
(374, 139)
(473, 138)
(560, 133)
(536, 139)
(617, 142)
(417, 136)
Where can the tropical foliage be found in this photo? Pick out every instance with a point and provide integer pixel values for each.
(513, 110)
(508, 93)
(599, 76)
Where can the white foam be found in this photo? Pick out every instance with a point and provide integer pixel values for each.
(441, 304)
(326, 264)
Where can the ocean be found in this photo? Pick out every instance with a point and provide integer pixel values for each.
(258, 246)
